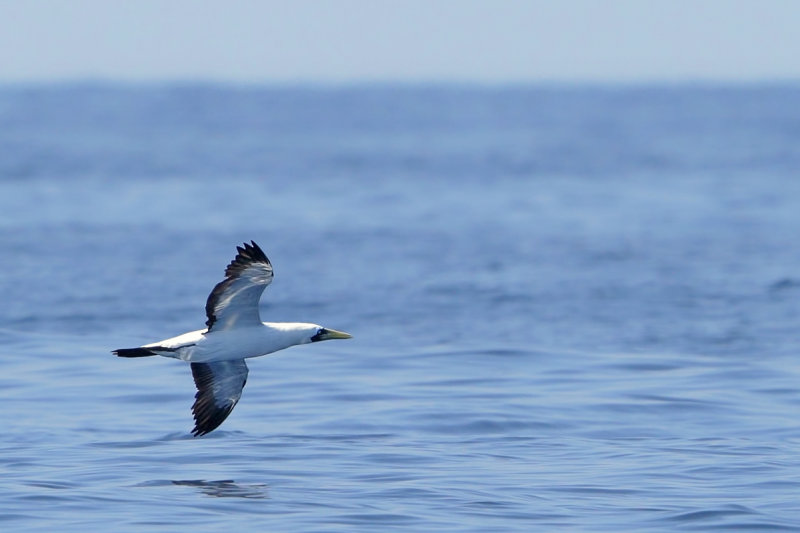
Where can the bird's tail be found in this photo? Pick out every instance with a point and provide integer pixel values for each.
(133, 352)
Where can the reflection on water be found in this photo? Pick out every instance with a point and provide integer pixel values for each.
(226, 488)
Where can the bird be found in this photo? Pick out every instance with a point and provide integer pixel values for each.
(234, 332)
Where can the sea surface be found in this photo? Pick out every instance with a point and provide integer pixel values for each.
(574, 308)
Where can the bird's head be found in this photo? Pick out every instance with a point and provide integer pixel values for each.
(285, 334)
(326, 334)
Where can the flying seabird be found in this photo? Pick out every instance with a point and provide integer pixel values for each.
(235, 332)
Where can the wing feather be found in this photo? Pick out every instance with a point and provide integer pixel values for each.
(219, 387)
(234, 300)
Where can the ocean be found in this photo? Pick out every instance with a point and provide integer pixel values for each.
(574, 308)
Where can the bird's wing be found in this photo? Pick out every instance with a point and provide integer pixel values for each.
(219, 387)
(234, 300)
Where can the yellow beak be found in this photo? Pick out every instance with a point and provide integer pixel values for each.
(329, 334)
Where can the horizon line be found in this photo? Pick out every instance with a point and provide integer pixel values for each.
(399, 82)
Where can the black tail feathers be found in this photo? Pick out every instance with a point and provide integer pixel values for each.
(133, 352)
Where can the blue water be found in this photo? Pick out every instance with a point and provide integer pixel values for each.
(573, 308)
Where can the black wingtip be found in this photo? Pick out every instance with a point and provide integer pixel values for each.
(255, 251)
(246, 255)
(206, 422)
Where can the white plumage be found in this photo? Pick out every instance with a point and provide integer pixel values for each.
(234, 333)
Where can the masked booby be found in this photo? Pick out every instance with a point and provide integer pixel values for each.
(234, 333)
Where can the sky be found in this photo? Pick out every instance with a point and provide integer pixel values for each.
(346, 41)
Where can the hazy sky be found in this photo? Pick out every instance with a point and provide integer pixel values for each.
(408, 40)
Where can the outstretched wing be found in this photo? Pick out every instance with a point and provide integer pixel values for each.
(219, 387)
(234, 301)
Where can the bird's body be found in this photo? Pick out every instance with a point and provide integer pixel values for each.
(235, 332)
(240, 343)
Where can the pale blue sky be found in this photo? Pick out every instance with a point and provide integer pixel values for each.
(491, 41)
